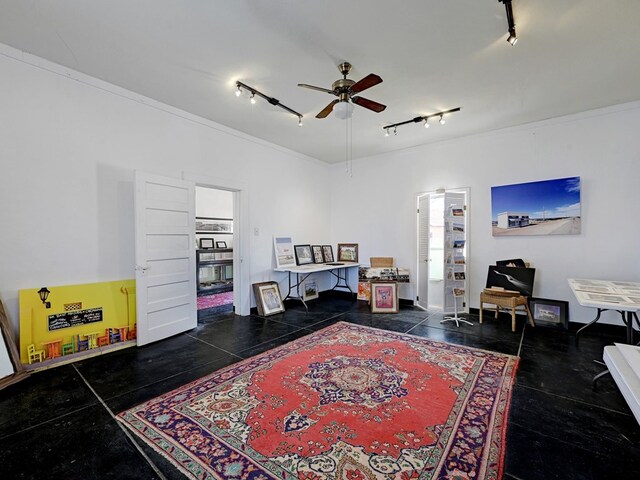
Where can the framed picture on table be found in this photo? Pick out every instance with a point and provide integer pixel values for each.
(384, 297)
(550, 313)
(327, 252)
(221, 244)
(348, 252)
(268, 299)
(283, 247)
(303, 254)
(206, 243)
(318, 256)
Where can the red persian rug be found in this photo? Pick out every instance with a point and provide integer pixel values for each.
(347, 402)
(215, 300)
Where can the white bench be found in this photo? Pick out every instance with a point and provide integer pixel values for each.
(623, 362)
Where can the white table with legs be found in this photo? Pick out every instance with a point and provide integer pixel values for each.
(621, 296)
(299, 273)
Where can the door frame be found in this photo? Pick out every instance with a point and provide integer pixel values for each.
(467, 192)
(241, 263)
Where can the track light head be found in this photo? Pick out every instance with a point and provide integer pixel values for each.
(253, 98)
(426, 122)
(386, 133)
(442, 120)
(299, 121)
(512, 38)
(238, 91)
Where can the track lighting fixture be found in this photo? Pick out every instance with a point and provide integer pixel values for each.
(512, 38)
(273, 101)
(424, 118)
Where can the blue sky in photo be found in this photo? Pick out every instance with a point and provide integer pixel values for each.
(549, 198)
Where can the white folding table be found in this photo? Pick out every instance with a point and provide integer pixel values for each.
(301, 272)
(624, 297)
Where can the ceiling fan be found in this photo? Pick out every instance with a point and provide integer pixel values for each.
(345, 89)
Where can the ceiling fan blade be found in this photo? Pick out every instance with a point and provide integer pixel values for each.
(327, 110)
(370, 104)
(320, 89)
(367, 82)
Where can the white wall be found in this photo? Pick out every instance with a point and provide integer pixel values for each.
(602, 147)
(214, 203)
(69, 145)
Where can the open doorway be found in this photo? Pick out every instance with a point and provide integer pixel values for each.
(443, 250)
(214, 254)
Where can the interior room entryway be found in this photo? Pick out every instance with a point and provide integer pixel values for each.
(442, 263)
(214, 250)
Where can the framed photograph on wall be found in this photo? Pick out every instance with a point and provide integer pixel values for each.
(348, 252)
(384, 297)
(268, 299)
(303, 254)
(547, 207)
(318, 256)
(283, 247)
(206, 243)
(214, 225)
(327, 252)
(310, 290)
(550, 313)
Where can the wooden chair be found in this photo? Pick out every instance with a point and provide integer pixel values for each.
(68, 348)
(508, 302)
(114, 335)
(104, 339)
(35, 355)
(82, 344)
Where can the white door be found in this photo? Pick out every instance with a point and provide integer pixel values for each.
(423, 251)
(165, 257)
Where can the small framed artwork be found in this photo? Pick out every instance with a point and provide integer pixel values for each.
(283, 247)
(318, 256)
(327, 253)
(214, 225)
(303, 254)
(206, 243)
(222, 244)
(550, 313)
(384, 297)
(310, 290)
(348, 252)
(268, 299)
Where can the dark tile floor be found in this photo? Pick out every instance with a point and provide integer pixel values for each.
(59, 423)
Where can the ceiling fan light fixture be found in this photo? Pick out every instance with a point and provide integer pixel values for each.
(343, 110)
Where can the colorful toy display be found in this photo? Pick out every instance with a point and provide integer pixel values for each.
(74, 321)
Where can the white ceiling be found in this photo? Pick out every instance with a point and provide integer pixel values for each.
(572, 56)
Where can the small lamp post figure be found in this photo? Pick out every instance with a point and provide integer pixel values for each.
(44, 294)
